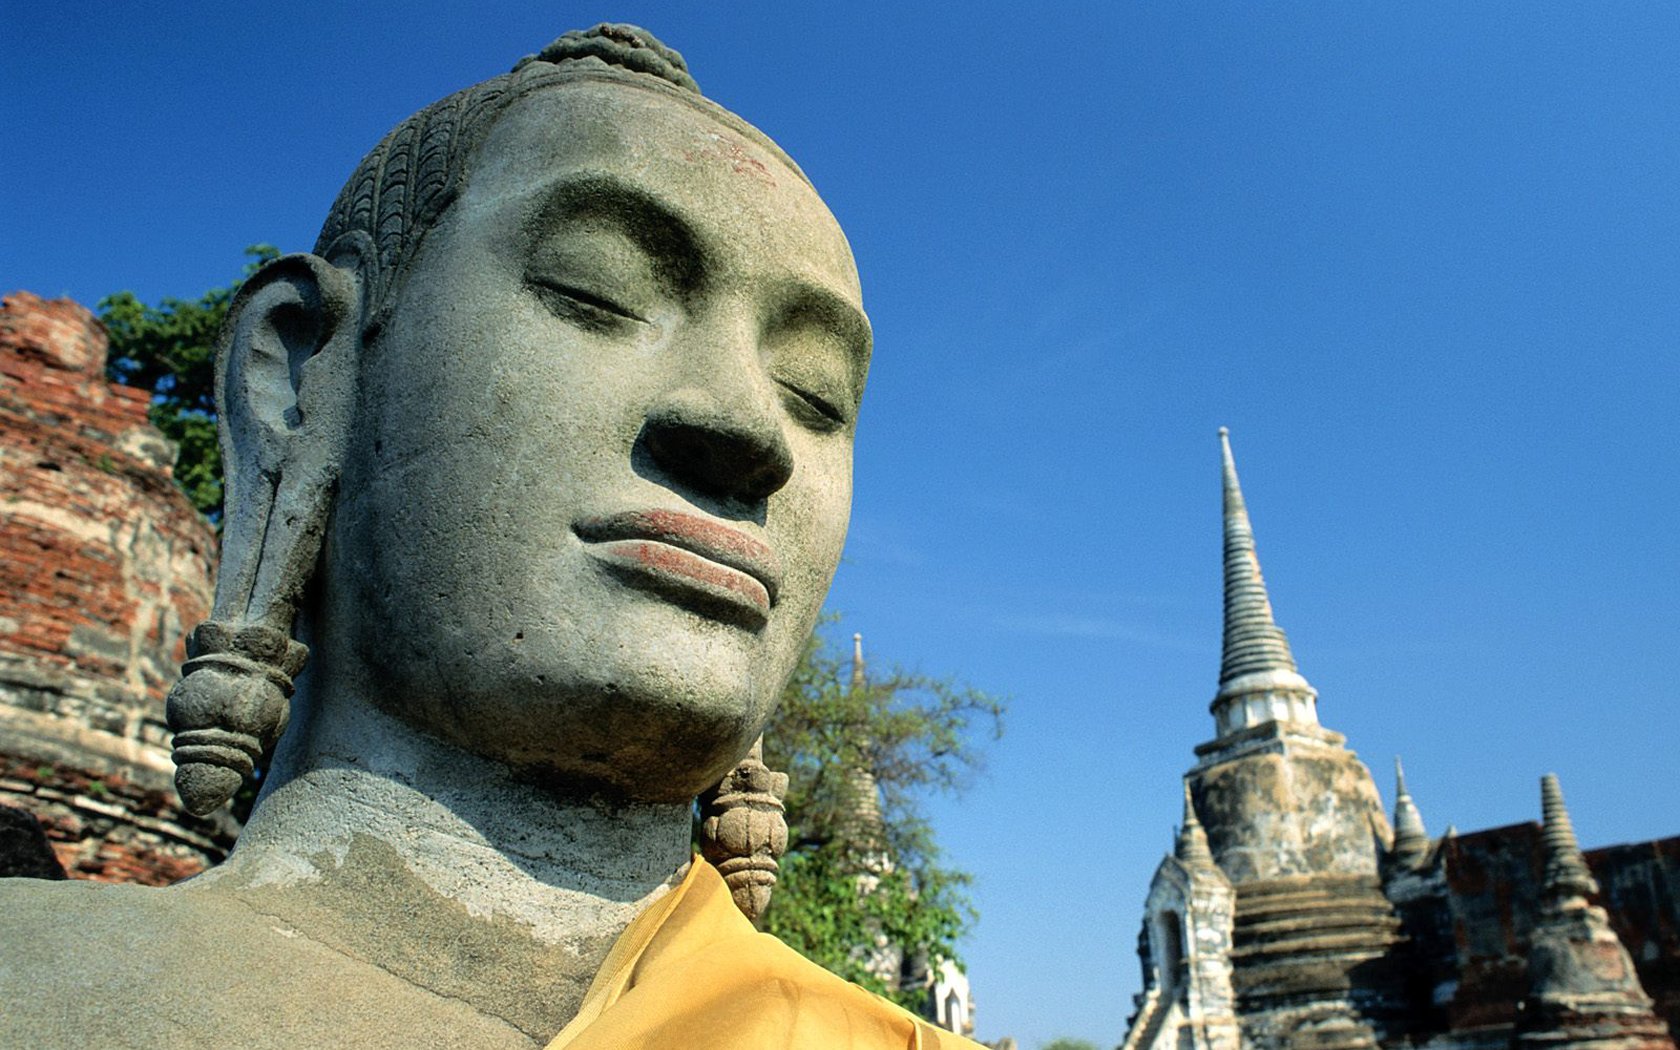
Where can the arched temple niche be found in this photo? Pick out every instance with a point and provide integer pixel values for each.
(1168, 952)
(1187, 1002)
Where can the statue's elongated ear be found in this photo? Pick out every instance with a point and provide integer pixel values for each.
(285, 393)
(285, 387)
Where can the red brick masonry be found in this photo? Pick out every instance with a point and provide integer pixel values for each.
(104, 565)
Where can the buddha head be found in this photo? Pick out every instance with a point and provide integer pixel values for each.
(545, 450)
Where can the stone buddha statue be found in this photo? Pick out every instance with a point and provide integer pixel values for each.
(539, 468)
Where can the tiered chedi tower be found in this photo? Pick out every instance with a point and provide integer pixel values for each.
(948, 1000)
(861, 823)
(1294, 823)
(1288, 917)
(1583, 992)
(1411, 839)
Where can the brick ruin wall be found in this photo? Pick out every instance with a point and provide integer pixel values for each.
(104, 565)
(1493, 893)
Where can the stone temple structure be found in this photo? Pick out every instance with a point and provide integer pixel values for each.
(948, 999)
(103, 566)
(1290, 915)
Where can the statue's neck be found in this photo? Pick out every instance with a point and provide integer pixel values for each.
(392, 846)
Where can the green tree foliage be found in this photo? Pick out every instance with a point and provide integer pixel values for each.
(170, 350)
(918, 736)
(1065, 1043)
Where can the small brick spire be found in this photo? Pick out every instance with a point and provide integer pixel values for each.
(1192, 846)
(864, 823)
(1568, 880)
(1583, 990)
(1411, 840)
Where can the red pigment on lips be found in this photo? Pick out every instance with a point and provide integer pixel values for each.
(661, 556)
(676, 524)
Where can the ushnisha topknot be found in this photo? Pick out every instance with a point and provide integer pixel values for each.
(404, 185)
(617, 44)
(410, 179)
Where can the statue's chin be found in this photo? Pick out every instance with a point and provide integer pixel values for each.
(639, 697)
(593, 738)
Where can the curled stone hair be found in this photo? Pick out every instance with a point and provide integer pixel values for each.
(410, 179)
(231, 705)
(628, 46)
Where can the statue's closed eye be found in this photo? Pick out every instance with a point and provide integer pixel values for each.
(583, 307)
(812, 410)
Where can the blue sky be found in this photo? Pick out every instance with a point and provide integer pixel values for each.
(1421, 259)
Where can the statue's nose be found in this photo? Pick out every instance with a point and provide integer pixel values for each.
(727, 446)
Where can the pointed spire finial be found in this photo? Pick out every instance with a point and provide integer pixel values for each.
(1411, 840)
(1568, 879)
(864, 826)
(1256, 657)
(1583, 989)
(1192, 846)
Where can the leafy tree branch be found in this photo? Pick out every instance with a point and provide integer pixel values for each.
(169, 350)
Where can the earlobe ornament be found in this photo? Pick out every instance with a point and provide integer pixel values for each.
(231, 705)
(743, 830)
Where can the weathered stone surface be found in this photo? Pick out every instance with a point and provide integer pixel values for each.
(1639, 887)
(1582, 991)
(1490, 892)
(1411, 840)
(1345, 935)
(1476, 914)
(1283, 799)
(1259, 682)
(1186, 944)
(545, 453)
(743, 830)
(1303, 955)
(103, 565)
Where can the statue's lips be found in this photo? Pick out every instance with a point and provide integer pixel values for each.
(698, 558)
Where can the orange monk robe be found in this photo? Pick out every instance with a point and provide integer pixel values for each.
(691, 972)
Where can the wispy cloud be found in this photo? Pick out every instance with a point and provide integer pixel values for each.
(868, 544)
(1062, 625)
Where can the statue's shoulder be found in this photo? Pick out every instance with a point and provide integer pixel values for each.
(50, 922)
(99, 962)
(85, 963)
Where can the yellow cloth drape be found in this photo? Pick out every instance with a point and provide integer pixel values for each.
(691, 972)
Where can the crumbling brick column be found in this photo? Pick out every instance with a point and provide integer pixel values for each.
(104, 566)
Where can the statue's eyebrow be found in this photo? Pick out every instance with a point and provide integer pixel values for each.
(674, 249)
(812, 302)
(663, 236)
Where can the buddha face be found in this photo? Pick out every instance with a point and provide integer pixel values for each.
(600, 473)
